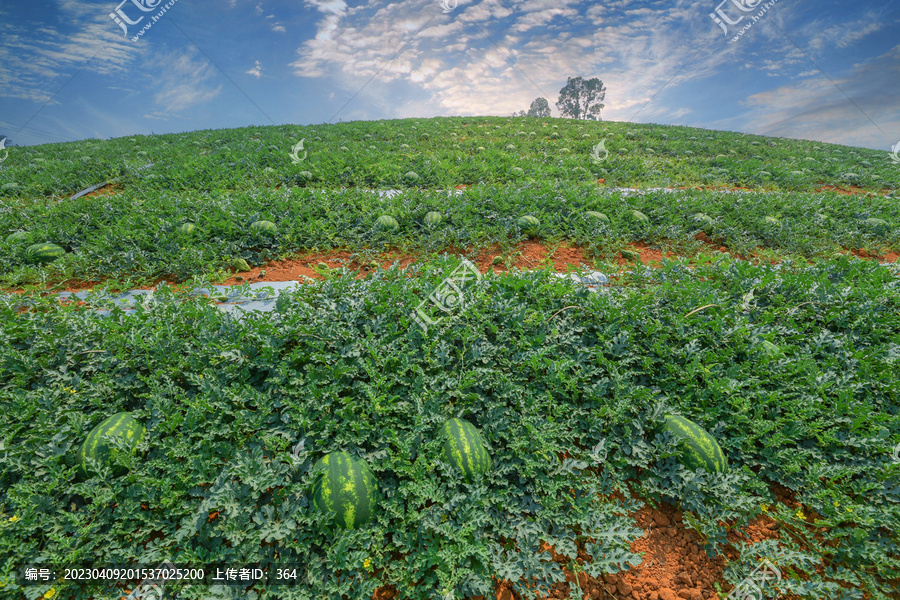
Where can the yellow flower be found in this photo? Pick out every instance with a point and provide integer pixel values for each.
(14, 518)
(50, 593)
(367, 563)
(765, 508)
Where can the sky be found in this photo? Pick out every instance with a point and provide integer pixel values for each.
(824, 70)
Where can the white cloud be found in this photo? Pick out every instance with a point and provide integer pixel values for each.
(255, 71)
(183, 81)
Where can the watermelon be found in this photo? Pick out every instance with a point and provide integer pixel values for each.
(597, 215)
(878, 225)
(345, 486)
(517, 171)
(769, 349)
(10, 187)
(388, 223)
(305, 176)
(639, 216)
(705, 221)
(43, 253)
(121, 426)
(464, 448)
(699, 448)
(479, 149)
(433, 218)
(529, 225)
(187, 228)
(15, 237)
(264, 227)
(770, 220)
(411, 177)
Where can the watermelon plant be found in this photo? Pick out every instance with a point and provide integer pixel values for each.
(104, 444)
(346, 488)
(464, 448)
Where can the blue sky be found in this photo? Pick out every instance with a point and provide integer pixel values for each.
(824, 70)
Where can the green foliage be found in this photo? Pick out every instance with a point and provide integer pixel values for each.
(225, 401)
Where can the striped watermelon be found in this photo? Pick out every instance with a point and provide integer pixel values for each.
(43, 253)
(345, 486)
(878, 225)
(769, 349)
(18, 235)
(700, 449)
(639, 216)
(187, 228)
(597, 215)
(705, 221)
(464, 448)
(410, 176)
(529, 225)
(388, 223)
(433, 218)
(121, 426)
(264, 227)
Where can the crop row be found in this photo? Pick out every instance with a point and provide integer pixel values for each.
(153, 234)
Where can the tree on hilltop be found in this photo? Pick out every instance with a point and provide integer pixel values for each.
(582, 99)
(539, 108)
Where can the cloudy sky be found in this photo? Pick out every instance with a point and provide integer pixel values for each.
(826, 70)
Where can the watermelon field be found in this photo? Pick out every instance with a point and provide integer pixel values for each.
(433, 412)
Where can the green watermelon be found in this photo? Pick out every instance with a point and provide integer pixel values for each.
(18, 235)
(264, 227)
(187, 228)
(433, 218)
(121, 426)
(345, 486)
(700, 450)
(304, 176)
(879, 225)
(388, 223)
(639, 216)
(43, 253)
(517, 171)
(705, 221)
(464, 448)
(770, 220)
(10, 187)
(769, 349)
(529, 225)
(597, 215)
(410, 177)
